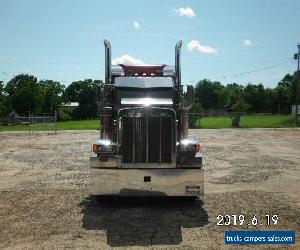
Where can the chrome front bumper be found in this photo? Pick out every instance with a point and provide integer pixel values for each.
(146, 182)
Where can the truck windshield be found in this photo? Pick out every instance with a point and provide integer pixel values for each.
(157, 93)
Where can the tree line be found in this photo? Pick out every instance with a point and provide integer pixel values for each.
(252, 98)
(24, 93)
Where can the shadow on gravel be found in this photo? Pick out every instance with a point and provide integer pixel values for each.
(142, 221)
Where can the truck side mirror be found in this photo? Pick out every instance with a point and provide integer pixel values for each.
(189, 96)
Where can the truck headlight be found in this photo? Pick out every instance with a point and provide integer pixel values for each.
(102, 146)
(189, 145)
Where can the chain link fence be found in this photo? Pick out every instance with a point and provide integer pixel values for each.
(239, 120)
(35, 123)
(44, 122)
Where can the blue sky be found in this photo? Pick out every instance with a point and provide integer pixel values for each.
(63, 40)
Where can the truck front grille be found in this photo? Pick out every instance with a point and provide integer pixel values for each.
(147, 139)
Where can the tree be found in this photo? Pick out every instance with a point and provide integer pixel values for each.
(5, 107)
(286, 81)
(234, 93)
(82, 92)
(52, 92)
(212, 95)
(197, 107)
(270, 99)
(285, 94)
(238, 108)
(255, 96)
(1, 98)
(24, 94)
(195, 113)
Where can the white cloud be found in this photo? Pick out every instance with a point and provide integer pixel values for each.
(194, 45)
(136, 25)
(247, 42)
(188, 12)
(127, 60)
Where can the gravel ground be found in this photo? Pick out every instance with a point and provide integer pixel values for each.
(44, 201)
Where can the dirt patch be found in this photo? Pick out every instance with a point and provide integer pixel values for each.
(44, 201)
(254, 169)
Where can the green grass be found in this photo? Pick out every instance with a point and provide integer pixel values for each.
(69, 125)
(249, 121)
(14, 128)
(214, 122)
(78, 125)
(267, 121)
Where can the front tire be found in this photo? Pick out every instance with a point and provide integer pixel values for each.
(102, 198)
(191, 198)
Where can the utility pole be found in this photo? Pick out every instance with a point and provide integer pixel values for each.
(297, 57)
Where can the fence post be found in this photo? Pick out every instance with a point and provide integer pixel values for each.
(29, 121)
(44, 124)
(55, 120)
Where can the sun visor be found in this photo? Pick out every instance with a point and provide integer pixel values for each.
(144, 82)
(146, 101)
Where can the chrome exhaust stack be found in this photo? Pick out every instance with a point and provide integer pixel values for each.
(177, 62)
(107, 61)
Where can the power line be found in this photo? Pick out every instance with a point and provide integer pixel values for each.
(246, 72)
(242, 59)
(255, 70)
(194, 81)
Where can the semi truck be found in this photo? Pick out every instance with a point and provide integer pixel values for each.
(144, 149)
